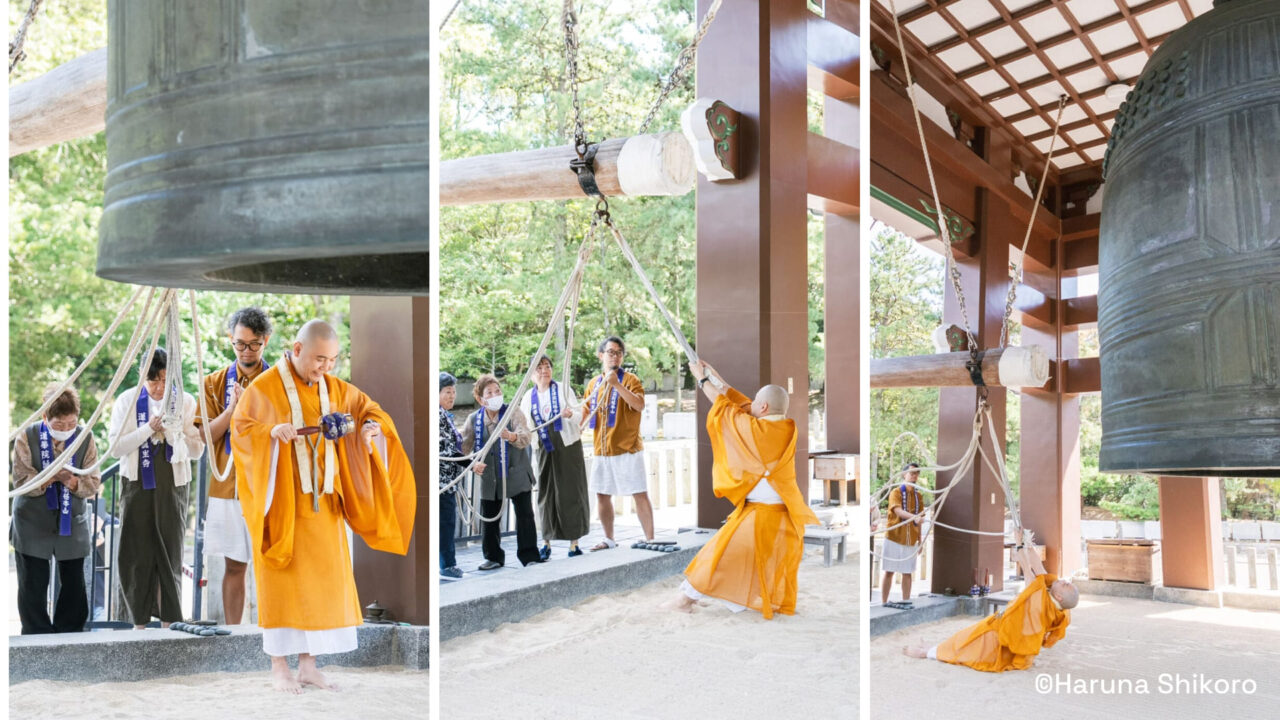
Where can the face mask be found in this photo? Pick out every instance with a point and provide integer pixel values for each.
(60, 435)
(494, 403)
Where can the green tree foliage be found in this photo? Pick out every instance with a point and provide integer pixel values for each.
(502, 267)
(906, 302)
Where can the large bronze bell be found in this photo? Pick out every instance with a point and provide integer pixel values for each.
(1189, 255)
(267, 145)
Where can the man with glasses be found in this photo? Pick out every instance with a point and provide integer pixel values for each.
(225, 533)
(613, 403)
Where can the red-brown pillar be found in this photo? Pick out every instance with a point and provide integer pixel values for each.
(1050, 441)
(843, 282)
(752, 246)
(978, 502)
(1191, 533)
(390, 341)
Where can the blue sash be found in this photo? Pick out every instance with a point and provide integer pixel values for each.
(57, 496)
(226, 400)
(146, 472)
(613, 402)
(909, 497)
(536, 411)
(480, 439)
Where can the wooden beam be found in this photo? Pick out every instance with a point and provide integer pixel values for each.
(1080, 312)
(68, 102)
(958, 97)
(833, 57)
(892, 111)
(659, 164)
(1035, 307)
(1080, 244)
(1022, 368)
(832, 174)
(1080, 376)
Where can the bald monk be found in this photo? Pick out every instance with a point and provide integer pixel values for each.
(1010, 640)
(752, 561)
(296, 492)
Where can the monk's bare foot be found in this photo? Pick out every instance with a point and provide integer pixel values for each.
(283, 680)
(682, 603)
(315, 678)
(915, 651)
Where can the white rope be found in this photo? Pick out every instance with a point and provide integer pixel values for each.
(221, 475)
(933, 183)
(120, 316)
(468, 509)
(63, 460)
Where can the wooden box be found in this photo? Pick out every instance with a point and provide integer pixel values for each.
(1124, 560)
(841, 471)
(843, 466)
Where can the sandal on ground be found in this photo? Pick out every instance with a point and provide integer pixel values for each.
(605, 544)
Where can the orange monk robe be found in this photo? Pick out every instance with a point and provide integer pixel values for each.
(1010, 640)
(754, 558)
(301, 559)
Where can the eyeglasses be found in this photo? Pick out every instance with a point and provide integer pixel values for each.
(613, 353)
(242, 346)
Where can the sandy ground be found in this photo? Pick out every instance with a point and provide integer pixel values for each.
(619, 656)
(1111, 645)
(388, 692)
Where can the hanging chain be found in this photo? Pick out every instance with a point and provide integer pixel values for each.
(685, 59)
(1026, 239)
(569, 19)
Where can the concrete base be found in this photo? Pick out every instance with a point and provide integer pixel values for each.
(483, 601)
(1186, 596)
(928, 608)
(1138, 591)
(1251, 600)
(121, 655)
(1245, 599)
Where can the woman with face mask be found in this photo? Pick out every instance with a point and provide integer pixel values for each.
(509, 457)
(53, 522)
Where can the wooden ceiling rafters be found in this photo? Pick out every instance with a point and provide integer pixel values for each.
(1012, 59)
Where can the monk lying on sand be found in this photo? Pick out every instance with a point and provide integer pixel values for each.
(1010, 640)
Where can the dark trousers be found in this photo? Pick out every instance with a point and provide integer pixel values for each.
(448, 525)
(526, 529)
(72, 607)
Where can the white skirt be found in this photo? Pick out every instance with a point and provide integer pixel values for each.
(692, 593)
(279, 642)
(619, 474)
(225, 532)
(897, 558)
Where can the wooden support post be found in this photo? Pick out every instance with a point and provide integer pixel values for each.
(1251, 561)
(1050, 440)
(390, 339)
(1191, 534)
(977, 502)
(1231, 565)
(659, 164)
(1272, 570)
(752, 239)
(1001, 367)
(68, 102)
